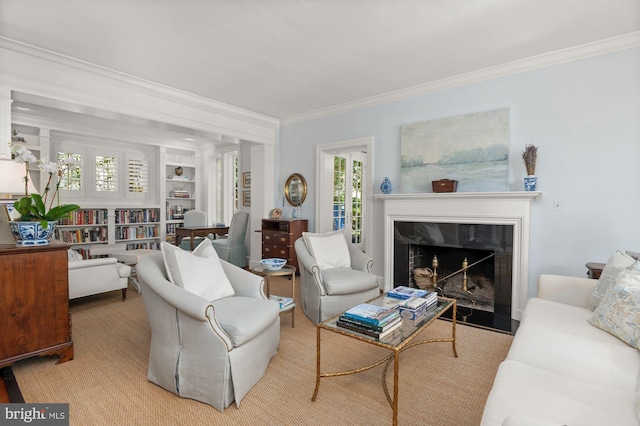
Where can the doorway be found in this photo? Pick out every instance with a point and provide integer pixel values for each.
(344, 176)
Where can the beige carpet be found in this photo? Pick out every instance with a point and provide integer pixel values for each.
(106, 383)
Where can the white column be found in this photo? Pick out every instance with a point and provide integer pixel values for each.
(5, 122)
(262, 193)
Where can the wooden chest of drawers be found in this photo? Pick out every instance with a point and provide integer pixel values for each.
(34, 303)
(278, 237)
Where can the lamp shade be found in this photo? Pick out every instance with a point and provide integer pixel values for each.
(12, 179)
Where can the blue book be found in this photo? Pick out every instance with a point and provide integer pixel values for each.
(282, 301)
(384, 326)
(371, 314)
(403, 292)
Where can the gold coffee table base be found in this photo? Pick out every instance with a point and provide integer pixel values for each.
(396, 349)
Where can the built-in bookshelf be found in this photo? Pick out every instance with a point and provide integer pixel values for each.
(180, 195)
(85, 226)
(138, 228)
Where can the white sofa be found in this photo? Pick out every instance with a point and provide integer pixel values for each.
(93, 276)
(560, 369)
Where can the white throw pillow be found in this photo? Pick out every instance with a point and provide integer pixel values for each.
(616, 264)
(619, 311)
(330, 250)
(199, 272)
(73, 255)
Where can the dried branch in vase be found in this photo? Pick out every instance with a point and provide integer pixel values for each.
(529, 156)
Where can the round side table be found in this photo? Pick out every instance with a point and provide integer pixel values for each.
(286, 270)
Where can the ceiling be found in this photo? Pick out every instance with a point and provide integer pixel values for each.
(284, 58)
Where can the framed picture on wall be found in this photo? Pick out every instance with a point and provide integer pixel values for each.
(246, 180)
(246, 198)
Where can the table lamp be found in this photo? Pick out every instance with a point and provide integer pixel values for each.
(11, 184)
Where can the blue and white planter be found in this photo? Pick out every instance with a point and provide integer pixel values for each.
(530, 183)
(30, 234)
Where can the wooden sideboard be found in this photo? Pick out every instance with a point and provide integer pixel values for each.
(34, 303)
(278, 237)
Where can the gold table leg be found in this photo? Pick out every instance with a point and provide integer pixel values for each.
(453, 328)
(315, 392)
(396, 368)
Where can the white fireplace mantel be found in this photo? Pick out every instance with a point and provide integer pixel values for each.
(491, 208)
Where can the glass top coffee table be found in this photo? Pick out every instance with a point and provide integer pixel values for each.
(403, 338)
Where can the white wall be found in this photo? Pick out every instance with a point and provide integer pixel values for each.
(585, 118)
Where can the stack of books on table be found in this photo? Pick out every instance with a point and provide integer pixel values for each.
(285, 302)
(415, 308)
(370, 320)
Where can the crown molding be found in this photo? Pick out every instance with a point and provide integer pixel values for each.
(130, 82)
(545, 60)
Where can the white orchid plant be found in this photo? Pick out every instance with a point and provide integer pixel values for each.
(33, 207)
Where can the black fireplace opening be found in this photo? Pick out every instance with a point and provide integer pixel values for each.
(469, 262)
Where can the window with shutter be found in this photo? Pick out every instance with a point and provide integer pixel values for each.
(138, 176)
(71, 177)
(106, 174)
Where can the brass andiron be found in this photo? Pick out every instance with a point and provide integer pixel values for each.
(434, 266)
(465, 280)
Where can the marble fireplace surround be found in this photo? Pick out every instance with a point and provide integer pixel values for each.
(490, 208)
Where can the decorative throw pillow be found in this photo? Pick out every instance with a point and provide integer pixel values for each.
(73, 255)
(330, 250)
(199, 272)
(616, 264)
(619, 311)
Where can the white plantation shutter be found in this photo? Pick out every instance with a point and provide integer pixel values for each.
(106, 174)
(71, 179)
(138, 172)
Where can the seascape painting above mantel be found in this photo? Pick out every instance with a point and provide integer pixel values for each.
(472, 149)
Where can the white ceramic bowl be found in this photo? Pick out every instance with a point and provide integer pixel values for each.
(273, 264)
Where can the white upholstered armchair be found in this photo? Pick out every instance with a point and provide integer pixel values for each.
(213, 352)
(334, 279)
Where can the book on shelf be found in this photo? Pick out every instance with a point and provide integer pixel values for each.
(367, 331)
(182, 178)
(179, 194)
(284, 302)
(371, 314)
(380, 328)
(404, 292)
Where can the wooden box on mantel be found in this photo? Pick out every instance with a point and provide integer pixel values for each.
(444, 185)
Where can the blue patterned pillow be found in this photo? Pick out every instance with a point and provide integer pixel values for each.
(616, 264)
(619, 311)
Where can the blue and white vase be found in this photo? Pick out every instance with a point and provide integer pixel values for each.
(530, 183)
(30, 234)
(386, 186)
